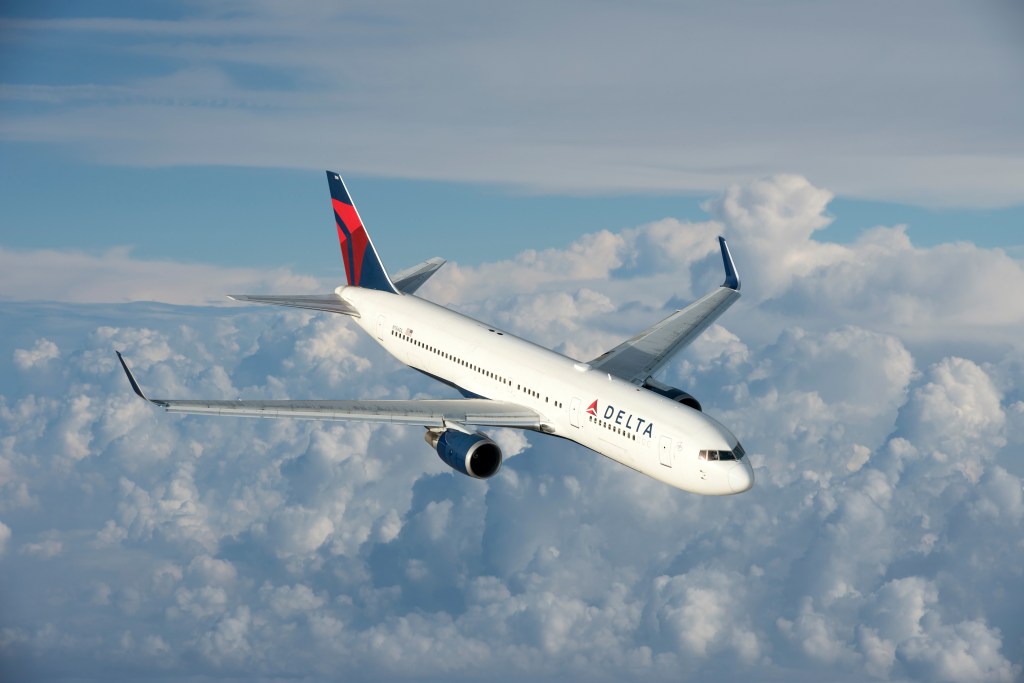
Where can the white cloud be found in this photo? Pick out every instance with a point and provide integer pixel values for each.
(956, 420)
(910, 626)
(44, 549)
(115, 276)
(40, 354)
(878, 541)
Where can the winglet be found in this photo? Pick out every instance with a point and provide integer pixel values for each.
(131, 378)
(732, 280)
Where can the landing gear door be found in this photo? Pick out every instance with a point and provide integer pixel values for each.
(665, 451)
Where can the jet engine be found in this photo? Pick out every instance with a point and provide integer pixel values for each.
(677, 395)
(471, 454)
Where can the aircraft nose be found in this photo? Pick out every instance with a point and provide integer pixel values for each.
(741, 477)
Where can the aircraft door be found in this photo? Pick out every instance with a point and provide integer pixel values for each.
(574, 412)
(380, 327)
(665, 451)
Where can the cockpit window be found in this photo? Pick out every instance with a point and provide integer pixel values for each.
(735, 454)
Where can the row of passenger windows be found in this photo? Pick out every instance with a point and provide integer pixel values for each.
(612, 427)
(735, 454)
(452, 358)
(476, 368)
(536, 395)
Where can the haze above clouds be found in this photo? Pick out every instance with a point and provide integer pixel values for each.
(912, 102)
(882, 540)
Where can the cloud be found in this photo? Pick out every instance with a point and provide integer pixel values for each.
(874, 545)
(682, 99)
(39, 355)
(958, 412)
(116, 276)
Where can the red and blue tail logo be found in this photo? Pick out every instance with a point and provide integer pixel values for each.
(363, 267)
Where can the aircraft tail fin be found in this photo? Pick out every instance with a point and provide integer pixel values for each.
(363, 267)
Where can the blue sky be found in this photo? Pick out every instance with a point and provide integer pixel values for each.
(574, 161)
(194, 132)
(265, 217)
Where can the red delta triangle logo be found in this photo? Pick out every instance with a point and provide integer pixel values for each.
(630, 422)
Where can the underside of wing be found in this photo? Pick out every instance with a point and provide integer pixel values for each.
(331, 303)
(636, 359)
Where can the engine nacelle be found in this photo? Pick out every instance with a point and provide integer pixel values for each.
(471, 454)
(677, 395)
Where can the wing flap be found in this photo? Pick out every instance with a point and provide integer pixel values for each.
(331, 303)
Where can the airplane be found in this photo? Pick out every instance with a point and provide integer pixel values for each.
(611, 405)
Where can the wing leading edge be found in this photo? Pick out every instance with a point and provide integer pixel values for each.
(636, 359)
(441, 413)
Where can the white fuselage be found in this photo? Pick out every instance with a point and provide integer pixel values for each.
(627, 423)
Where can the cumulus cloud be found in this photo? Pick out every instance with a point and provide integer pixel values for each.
(40, 354)
(879, 541)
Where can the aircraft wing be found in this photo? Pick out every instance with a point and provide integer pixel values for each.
(331, 303)
(410, 279)
(636, 359)
(427, 413)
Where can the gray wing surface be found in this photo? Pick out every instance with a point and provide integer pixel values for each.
(407, 282)
(427, 413)
(316, 302)
(636, 359)
(410, 279)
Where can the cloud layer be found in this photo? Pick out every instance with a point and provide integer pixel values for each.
(687, 97)
(116, 276)
(881, 540)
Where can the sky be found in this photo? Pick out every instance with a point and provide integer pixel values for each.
(574, 162)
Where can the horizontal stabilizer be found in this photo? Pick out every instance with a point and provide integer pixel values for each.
(411, 279)
(331, 303)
